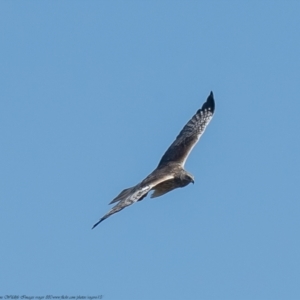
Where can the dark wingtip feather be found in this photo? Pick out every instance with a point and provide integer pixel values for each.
(210, 103)
(97, 223)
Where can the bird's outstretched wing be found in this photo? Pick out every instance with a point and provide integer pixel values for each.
(163, 178)
(138, 192)
(190, 134)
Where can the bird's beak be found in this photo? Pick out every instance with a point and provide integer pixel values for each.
(193, 181)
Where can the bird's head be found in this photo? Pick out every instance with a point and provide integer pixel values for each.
(187, 178)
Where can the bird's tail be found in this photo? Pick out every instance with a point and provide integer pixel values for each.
(123, 195)
(126, 198)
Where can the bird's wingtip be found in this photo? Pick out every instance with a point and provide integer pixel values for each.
(97, 223)
(210, 103)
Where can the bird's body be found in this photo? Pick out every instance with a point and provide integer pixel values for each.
(170, 173)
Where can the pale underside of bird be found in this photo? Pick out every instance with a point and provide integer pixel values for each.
(170, 173)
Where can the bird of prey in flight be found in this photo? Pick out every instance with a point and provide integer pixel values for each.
(170, 173)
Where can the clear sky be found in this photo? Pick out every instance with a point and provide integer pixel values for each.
(92, 94)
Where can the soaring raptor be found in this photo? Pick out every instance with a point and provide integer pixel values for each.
(170, 173)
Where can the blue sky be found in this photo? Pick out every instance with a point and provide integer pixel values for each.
(93, 93)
